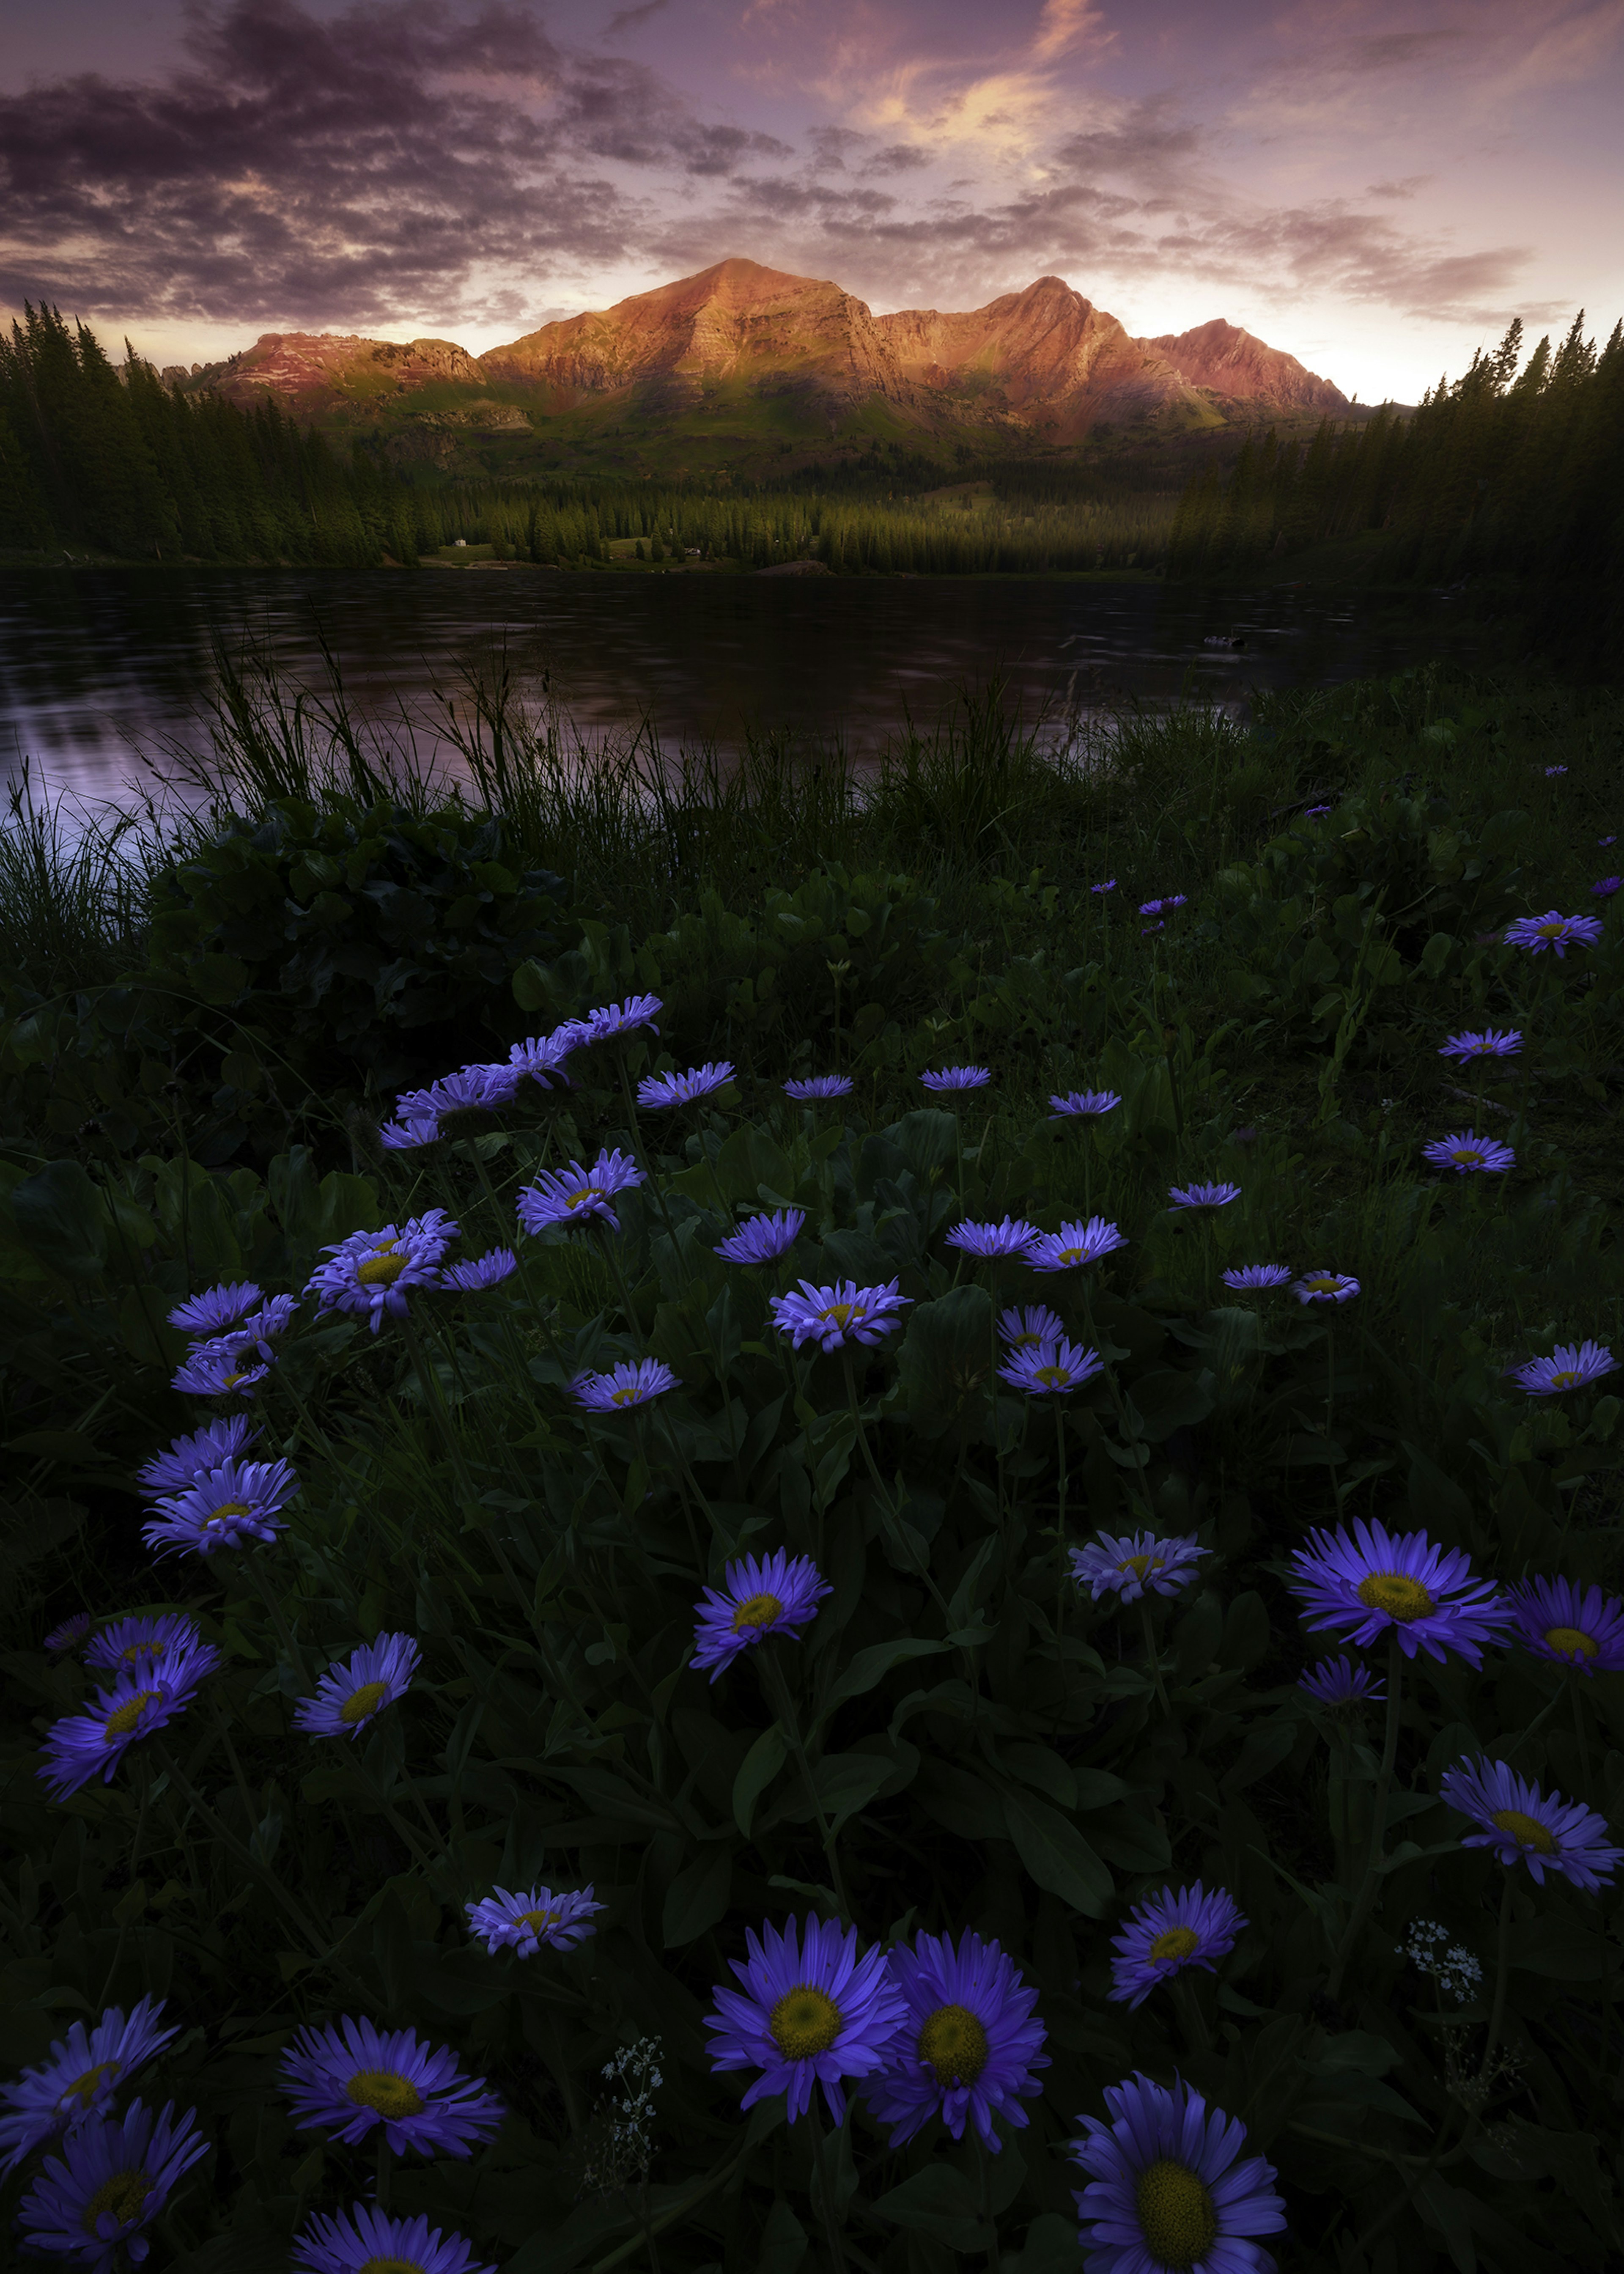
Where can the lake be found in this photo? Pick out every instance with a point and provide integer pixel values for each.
(98, 666)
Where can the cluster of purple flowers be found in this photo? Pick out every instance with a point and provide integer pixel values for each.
(474, 1095)
(234, 1330)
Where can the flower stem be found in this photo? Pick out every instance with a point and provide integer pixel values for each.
(1366, 1898)
(784, 1706)
(820, 2188)
(1502, 1973)
(1153, 1655)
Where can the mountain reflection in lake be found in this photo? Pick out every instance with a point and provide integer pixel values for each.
(98, 665)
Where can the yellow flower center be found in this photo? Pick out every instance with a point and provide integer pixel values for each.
(1177, 2217)
(382, 1268)
(586, 1192)
(122, 2196)
(1172, 1947)
(126, 1718)
(1466, 1153)
(1401, 1599)
(231, 1379)
(133, 1653)
(83, 2088)
(390, 2266)
(1322, 1283)
(1551, 931)
(841, 1314)
(539, 1920)
(362, 1702)
(805, 2022)
(1565, 1377)
(1053, 1377)
(1527, 1831)
(627, 1395)
(221, 1515)
(1140, 1564)
(1571, 1642)
(756, 1611)
(1026, 1342)
(954, 2044)
(386, 2089)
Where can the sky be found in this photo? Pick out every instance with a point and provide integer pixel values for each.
(1377, 188)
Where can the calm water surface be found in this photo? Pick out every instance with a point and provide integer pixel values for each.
(99, 666)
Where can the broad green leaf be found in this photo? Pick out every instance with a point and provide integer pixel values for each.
(757, 1771)
(61, 1219)
(871, 1666)
(697, 1897)
(938, 2202)
(1056, 1856)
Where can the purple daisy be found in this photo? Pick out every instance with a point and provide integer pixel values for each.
(541, 1058)
(132, 1643)
(347, 2080)
(831, 1317)
(948, 1079)
(1468, 1154)
(466, 1099)
(112, 2179)
(1605, 888)
(812, 1088)
(1375, 1581)
(1109, 886)
(1515, 1819)
(762, 1239)
(230, 1367)
(265, 1327)
(1176, 1928)
(612, 1022)
(1165, 2188)
(409, 1136)
(1486, 1042)
(353, 1692)
(1145, 930)
(675, 1089)
(68, 1633)
(524, 1923)
(633, 1383)
(1326, 1287)
(759, 1596)
(352, 2241)
(814, 2012)
(1553, 930)
(237, 1502)
(1162, 906)
(371, 1271)
(1577, 1626)
(1075, 1245)
(94, 1740)
(1247, 1278)
(1202, 1196)
(190, 1457)
(1551, 772)
(1084, 1104)
(1571, 1366)
(1136, 1564)
(203, 1317)
(1026, 1328)
(77, 2079)
(1315, 812)
(969, 2045)
(1341, 1682)
(992, 1243)
(1604, 842)
(1051, 1369)
(576, 1195)
(480, 1271)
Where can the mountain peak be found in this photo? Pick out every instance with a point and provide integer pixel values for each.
(1229, 361)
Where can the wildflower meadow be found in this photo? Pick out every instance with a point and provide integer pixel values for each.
(911, 1566)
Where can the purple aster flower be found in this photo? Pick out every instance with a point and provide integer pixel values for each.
(1491, 1042)
(371, 1271)
(1246, 1278)
(363, 2237)
(1605, 888)
(1326, 1287)
(633, 1383)
(1074, 1245)
(409, 1136)
(992, 1243)
(77, 2079)
(112, 2179)
(1375, 1580)
(542, 1058)
(205, 1316)
(1604, 842)
(68, 1633)
(353, 1692)
(1084, 1104)
(759, 1596)
(1176, 1928)
(1145, 930)
(1051, 1369)
(347, 2080)
(814, 2012)
(831, 1317)
(816, 1086)
(947, 1078)
(1339, 1682)
(1468, 1154)
(131, 1644)
(190, 1457)
(502, 1921)
(480, 1272)
(1515, 1819)
(576, 1195)
(673, 1089)
(237, 1502)
(230, 1367)
(1571, 1366)
(1025, 1329)
(1162, 906)
(264, 1329)
(1109, 886)
(969, 2045)
(611, 1022)
(1577, 1626)
(1315, 812)
(1553, 930)
(1551, 772)
(1165, 2188)
(762, 1239)
(1202, 1196)
(1135, 1565)
(96, 1740)
(464, 1099)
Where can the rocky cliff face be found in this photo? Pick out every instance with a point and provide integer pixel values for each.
(311, 371)
(1235, 364)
